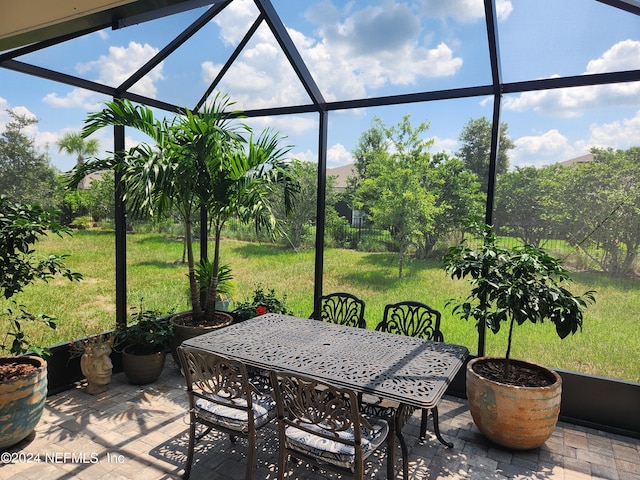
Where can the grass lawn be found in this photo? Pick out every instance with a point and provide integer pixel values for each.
(607, 346)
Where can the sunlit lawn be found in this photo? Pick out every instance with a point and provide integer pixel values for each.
(608, 345)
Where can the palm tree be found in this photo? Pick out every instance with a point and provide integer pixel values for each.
(202, 159)
(75, 144)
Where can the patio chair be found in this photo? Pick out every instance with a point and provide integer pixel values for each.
(415, 319)
(321, 424)
(222, 398)
(341, 308)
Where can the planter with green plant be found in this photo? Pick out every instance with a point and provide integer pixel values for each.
(513, 403)
(261, 303)
(202, 160)
(145, 342)
(23, 378)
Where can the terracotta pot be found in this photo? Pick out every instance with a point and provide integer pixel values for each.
(22, 401)
(183, 332)
(520, 418)
(141, 369)
(97, 368)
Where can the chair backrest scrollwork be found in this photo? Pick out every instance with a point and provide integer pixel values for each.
(414, 319)
(342, 308)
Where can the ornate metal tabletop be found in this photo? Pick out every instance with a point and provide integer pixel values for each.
(405, 369)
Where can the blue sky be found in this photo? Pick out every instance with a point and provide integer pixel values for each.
(357, 49)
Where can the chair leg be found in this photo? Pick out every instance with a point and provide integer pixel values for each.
(436, 428)
(192, 443)
(251, 455)
(282, 462)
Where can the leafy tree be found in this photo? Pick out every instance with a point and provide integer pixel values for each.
(598, 205)
(393, 191)
(25, 174)
(197, 160)
(476, 148)
(445, 192)
(76, 144)
(21, 225)
(372, 143)
(522, 205)
(302, 216)
(457, 199)
(100, 197)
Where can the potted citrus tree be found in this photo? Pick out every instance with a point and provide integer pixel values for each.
(514, 403)
(204, 160)
(23, 378)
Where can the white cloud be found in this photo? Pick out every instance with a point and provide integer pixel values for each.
(112, 69)
(447, 145)
(121, 63)
(465, 11)
(76, 98)
(3, 106)
(376, 46)
(548, 147)
(5, 118)
(305, 156)
(338, 155)
(573, 102)
(503, 9)
(291, 124)
(621, 134)
(622, 56)
(552, 146)
(41, 140)
(353, 51)
(235, 20)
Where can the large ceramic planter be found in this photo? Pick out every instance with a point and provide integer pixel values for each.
(183, 332)
(22, 402)
(519, 418)
(141, 369)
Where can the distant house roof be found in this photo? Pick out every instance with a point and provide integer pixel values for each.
(581, 159)
(342, 175)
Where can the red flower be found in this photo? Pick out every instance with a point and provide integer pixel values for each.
(261, 310)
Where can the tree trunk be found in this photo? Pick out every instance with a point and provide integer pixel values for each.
(212, 295)
(196, 307)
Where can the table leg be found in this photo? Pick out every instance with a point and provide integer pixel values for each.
(402, 415)
(436, 428)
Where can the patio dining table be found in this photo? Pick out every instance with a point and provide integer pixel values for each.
(409, 371)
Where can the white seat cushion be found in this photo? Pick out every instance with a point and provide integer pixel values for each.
(335, 452)
(264, 410)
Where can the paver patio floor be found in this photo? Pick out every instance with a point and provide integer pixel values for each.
(140, 433)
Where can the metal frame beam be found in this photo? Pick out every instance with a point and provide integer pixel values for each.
(173, 45)
(143, 11)
(291, 52)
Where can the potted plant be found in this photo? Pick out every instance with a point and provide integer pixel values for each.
(226, 285)
(261, 303)
(202, 160)
(23, 378)
(95, 359)
(145, 343)
(514, 403)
